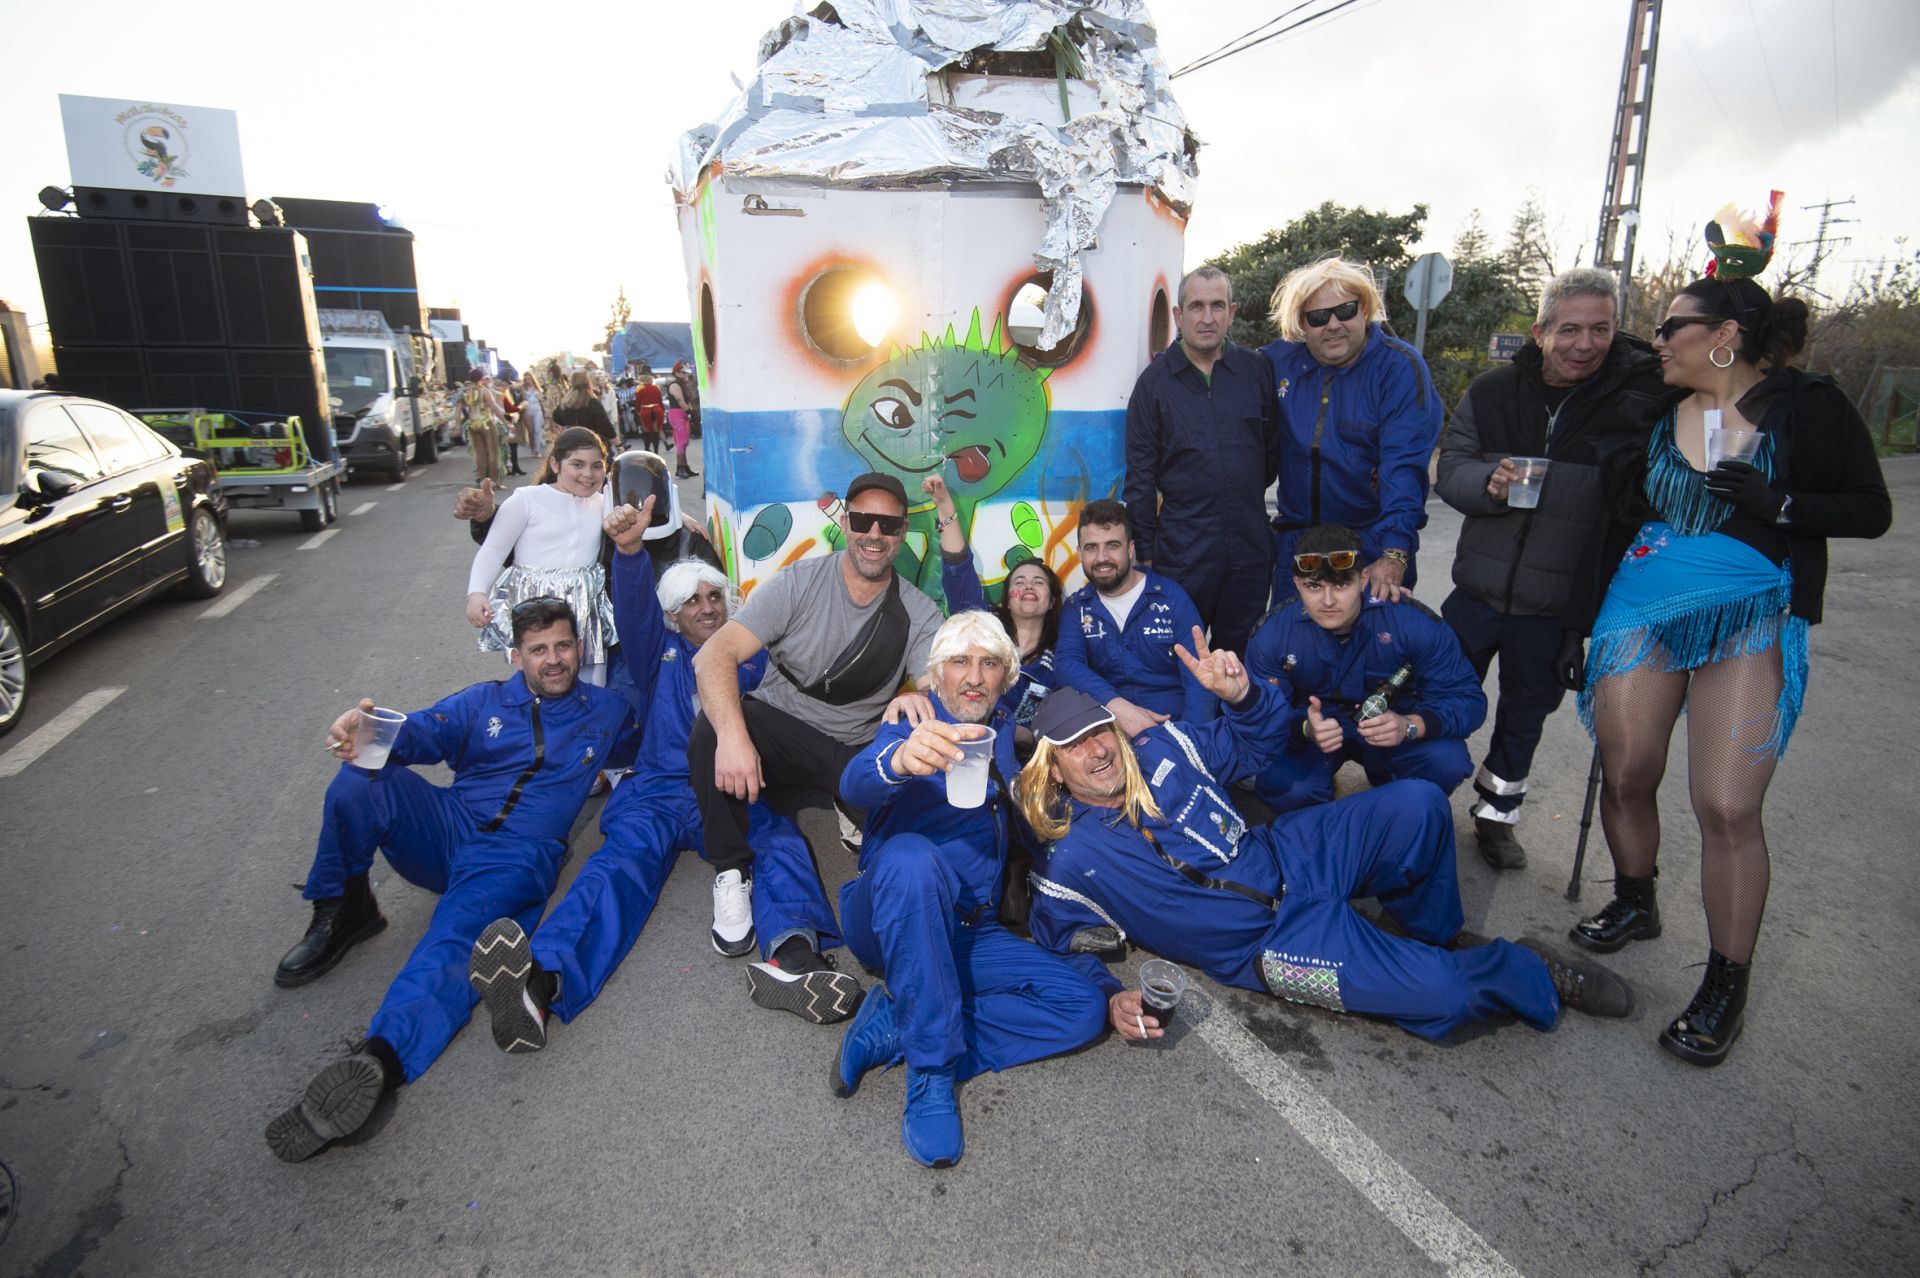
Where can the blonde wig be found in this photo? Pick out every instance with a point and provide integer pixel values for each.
(972, 629)
(1043, 801)
(1290, 297)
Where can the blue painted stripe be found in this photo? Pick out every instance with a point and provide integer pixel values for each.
(355, 288)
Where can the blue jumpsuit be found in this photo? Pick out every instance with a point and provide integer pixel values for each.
(653, 815)
(923, 912)
(1135, 661)
(1311, 946)
(1301, 659)
(490, 844)
(1355, 443)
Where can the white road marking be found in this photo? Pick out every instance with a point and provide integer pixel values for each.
(317, 540)
(394, 488)
(1427, 1222)
(362, 508)
(55, 730)
(234, 598)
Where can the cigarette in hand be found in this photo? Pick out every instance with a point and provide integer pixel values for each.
(1141, 1023)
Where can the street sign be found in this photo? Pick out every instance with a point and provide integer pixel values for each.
(1502, 347)
(1429, 280)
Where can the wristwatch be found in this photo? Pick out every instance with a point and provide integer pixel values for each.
(1413, 728)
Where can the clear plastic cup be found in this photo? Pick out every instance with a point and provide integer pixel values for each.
(1161, 986)
(1727, 443)
(967, 779)
(373, 737)
(1530, 475)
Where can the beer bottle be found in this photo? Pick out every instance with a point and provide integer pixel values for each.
(1376, 705)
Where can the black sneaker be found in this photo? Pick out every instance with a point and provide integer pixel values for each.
(1583, 987)
(336, 1104)
(803, 981)
(503, 971)
(1498, 846)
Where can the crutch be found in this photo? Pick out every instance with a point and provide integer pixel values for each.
(1586, 825)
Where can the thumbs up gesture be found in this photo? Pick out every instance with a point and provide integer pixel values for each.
(474, 503)
(1324, 732)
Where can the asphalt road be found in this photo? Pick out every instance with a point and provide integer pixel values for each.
(150, 864)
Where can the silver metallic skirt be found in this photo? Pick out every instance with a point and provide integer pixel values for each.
(584, 589)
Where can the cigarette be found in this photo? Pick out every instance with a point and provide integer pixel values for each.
(1141, 1023)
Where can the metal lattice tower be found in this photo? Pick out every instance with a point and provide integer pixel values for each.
(1626, 159)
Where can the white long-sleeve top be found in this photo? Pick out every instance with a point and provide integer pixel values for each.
(543, 527)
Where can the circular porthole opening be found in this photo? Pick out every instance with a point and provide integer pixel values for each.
(1026, 312)
(846, 313)
(1159, 323)
(709, 326)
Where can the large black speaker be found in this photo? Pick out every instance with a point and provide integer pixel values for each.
(85, 281)
(287, 381)
(189, 378)
(115, 374)
(175, 285)
(116, 204)
(264, 284)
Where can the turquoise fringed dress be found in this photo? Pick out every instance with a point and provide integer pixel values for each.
(1686, 595)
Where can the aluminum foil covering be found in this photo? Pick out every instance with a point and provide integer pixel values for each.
(841, 98)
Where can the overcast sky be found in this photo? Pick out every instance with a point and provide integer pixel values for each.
(526, 146)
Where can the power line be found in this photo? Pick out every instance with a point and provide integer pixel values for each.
(1256, 31)
(1737, 134)
(1201, 63)
(1833, 41)
(1768, 66)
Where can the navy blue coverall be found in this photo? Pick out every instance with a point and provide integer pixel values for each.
(1135, 661)
(924, 912)
(1310, 945)
(490, 844)
(1301, 659)
(653, 815)
(1355, 446)
(1201, 453)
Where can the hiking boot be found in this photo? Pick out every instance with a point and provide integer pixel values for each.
(336, 1104)
(1704, 1033)
(732, 913)
(1632, 915)
(930, 1127)
(1499, 847)
(870, 1041)
(801, 980)
(1583, 987)
(516, 990)
(339, 923)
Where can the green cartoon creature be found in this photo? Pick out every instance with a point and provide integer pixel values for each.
(970, 410)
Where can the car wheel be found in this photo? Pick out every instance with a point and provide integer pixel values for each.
(426, 449)
(207, 556)
(397, 473)
(313, 520)
(13, 670)
(330, 500)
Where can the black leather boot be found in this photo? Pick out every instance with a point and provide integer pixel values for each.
(1632, 915)
(337, 1103)
(339, 924)
(1704, 1032)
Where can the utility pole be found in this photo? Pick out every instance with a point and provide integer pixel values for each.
(1819, 240)
(1626, 159)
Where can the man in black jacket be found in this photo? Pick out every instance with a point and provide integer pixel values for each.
(1577, 383)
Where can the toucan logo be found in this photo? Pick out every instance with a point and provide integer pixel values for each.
(156, 142)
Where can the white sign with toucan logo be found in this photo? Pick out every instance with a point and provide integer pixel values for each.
(130, 144)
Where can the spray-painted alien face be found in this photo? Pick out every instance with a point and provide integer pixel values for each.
(969, 409)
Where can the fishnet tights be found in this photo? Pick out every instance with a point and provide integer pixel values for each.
(1731, 706)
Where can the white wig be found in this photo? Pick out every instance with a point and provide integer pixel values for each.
(973, 629)
(683, 579)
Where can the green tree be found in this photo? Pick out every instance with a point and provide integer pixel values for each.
(1376, 239)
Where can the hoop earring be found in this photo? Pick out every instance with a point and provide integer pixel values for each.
(1716, 363)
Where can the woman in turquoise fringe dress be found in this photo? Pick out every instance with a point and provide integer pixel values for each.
(1715, 576)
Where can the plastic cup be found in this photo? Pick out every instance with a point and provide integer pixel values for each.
(967, 779)
(1530, 476)
(373, 737)
(1727, 443)
(1161, 985)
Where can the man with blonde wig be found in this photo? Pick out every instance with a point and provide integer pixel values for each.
(1359, 420)
(963, 995)
(1146, 846)
(562, 966)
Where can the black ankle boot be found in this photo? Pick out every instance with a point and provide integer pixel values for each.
(1632, 915)
(337, 1103)
(339, 924)
(1706, 1030)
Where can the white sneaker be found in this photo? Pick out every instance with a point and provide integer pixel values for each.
(732, 913)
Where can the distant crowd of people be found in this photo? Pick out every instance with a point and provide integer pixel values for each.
(1039, 778)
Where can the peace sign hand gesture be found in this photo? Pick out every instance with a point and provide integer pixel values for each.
(1218, 672)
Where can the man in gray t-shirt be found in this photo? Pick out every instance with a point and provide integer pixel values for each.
(841, 632)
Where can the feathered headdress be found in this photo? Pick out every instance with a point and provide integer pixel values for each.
(1740, 246)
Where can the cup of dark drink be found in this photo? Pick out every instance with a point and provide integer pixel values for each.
(1161, 985)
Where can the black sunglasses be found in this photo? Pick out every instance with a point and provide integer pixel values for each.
(1318, 317)
(527, 607)
(1331, 561)
(1674, 323)
(864, 521)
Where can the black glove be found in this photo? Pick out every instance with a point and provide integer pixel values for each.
(1744, 488)
(1570, 663)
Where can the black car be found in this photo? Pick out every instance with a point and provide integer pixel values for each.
(97, 513)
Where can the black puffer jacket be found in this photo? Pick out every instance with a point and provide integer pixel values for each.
(1523, 562)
